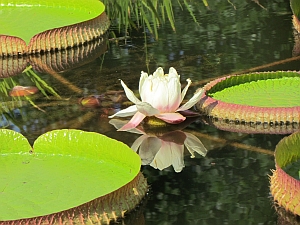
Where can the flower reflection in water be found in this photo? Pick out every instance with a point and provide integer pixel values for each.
(164, 149)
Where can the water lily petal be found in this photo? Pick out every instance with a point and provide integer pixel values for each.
(148, 149)
(183, 93)
(177, 157)
(162, 91)
(154, 91)
(117, 123)
(136, 144)
(196, 98)
(169, 154)
(172, 94)
(143, 78)
(135, 120)
(159, 72)
(193, 144)
(172, 118)
(129, 94)
(173, 73)
(147, 109)
(174, 89)
(163, 158)
(130, 111)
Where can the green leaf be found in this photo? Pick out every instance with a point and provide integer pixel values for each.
(205, 3)
(295, 6)
(287, 150)
(67, 168)
(169, 10)
(274, 89)
(26, 18)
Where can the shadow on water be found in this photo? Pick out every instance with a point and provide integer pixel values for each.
(230, 184)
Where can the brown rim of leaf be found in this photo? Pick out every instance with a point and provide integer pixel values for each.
(54, 61)
(243, 113)
(296, 24)
(285, 190)
(70, 58)
(252, 128)
(103, 210)
(12, 46)
(56, 39)
(12, 66)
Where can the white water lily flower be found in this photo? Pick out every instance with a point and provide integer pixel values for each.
(161, 97)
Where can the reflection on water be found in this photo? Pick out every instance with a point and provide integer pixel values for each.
(230, 184)
(161, 149)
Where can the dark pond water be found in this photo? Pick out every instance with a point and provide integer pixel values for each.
(228, 186)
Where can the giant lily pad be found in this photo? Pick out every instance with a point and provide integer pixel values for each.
(68, 175)
(30, 26)
(267, 97)
(285, 183)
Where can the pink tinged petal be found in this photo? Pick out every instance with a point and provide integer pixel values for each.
(183, 93)
(147, 109)
(117, 123)
(130, 111)
(172, 118)
(129, 94)
(196, 98)
(135, 120)
(193, 144)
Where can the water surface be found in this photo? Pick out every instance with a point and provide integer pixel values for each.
(228, 186)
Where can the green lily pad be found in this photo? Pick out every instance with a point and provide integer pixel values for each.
(285, 183)
(26, 18)
(278, 92)
(262, 97)
(34, 26)
(64, 169)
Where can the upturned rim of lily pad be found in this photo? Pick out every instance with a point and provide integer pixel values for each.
(251, 128)
(279, 83)
(54, 61)
(60, 25)
(285, 189)
(68, 176)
